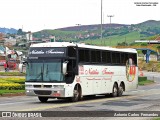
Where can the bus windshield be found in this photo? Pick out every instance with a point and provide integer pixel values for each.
(44, 71)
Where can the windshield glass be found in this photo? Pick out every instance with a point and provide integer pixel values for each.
(44, 71)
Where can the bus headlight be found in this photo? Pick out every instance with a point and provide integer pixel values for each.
(28, 91)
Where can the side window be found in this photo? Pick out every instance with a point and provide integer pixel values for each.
(95, 56)
(124, 58)
(115, 58)
(98, 56)
(81, 56)
(87, 56)
(106, 56)
(84, 55)
(118, 58)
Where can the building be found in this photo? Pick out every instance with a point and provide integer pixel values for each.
(1, 38)
(156, 41)
(10, 41)
(29, 36)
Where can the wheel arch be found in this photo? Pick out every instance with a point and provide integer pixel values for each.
(123, 85)
(79, 88)
(115, 83)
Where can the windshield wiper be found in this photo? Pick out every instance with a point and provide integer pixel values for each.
(31, 80)
(42, 72)
(47, 71)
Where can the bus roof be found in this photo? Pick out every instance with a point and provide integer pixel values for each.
(82, 45)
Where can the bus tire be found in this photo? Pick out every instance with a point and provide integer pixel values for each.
(114, 90)
(43, 99)
(76, 94)
(120, 90)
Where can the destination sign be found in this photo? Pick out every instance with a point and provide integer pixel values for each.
(47, 52)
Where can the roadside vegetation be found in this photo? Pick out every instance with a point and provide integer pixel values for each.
(11, 85)
(152, 66)
(3, 92)
(156, 119)
(144, 81)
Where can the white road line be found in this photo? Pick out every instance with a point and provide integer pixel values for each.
(14, 103)
(142, 90)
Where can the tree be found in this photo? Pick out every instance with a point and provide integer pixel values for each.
(19, 32)
(122, 44)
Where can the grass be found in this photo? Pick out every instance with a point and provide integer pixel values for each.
(2, 92)
(144, 81)
(11, 74)
(156, 119)
(114, 40)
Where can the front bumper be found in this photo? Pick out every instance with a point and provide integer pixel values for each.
(48, 90)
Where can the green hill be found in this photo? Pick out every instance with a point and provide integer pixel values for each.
(112, 34)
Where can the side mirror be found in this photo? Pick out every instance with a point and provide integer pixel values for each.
(20, 67)
(65, 67)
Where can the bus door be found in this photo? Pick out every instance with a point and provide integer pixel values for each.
(71, 71)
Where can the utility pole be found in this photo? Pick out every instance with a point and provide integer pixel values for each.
(110, 19)
(101, 20)
(78, 34)
(110, 16)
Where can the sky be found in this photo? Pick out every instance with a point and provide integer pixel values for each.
(36, 15)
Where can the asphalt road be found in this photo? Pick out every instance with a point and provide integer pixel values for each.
(145, 98)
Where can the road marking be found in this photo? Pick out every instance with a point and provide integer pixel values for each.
(143, 90)
(138, 91)
(14, 103)
(90, 101)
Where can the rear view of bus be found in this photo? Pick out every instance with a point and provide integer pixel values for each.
(69, 70)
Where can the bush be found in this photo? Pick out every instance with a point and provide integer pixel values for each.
(144, 44)
(12, 84)
(142, 79)
(13, 80)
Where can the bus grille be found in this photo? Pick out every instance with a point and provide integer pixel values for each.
(42, 92)
(44, 86)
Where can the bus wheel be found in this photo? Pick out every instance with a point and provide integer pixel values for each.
(120, 90)
(76, 95)
(114, 91)
(43, 99)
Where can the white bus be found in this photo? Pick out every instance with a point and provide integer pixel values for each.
(72, 70)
